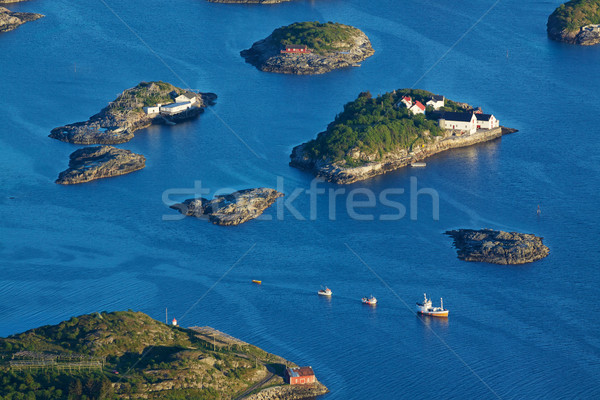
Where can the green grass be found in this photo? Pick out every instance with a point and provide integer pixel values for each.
(142, 350)
(374, 126)
(319, 37)
(575, 14)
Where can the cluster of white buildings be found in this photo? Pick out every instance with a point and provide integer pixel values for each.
(182, 103)
(467, 122)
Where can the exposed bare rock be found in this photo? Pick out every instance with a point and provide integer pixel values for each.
(498, 247)
(98, 162)
(11, 20)
(232, 209)
(117, 122)
(290, 392)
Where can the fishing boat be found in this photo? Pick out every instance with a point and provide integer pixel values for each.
(325, 292)
(369, 300)
(418, 164)
(257, 282)
(426, 308)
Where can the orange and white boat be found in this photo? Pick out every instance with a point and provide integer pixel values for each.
(426, 308)
(325, 292)
(369, 300)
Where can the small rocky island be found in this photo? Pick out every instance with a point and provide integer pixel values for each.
(498, 247)
(231, 209)
(372, 136)
(309, 48)
(136, 108)
(129, 355)
(576, 22)
(11, 20)
(98, 162)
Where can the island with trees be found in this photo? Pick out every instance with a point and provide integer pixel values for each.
(576, 22)
(375, 135)
(309, 48)
(136, 108)
(129, 355)
(10, 20)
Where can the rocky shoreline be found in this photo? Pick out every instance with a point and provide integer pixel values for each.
(575, 22)
(266, 56)
(498, 247)
(11, 20)
(332, 172)
(231, 209)
(117, 122)
(588, 35)
(289, 392)
(98, 162)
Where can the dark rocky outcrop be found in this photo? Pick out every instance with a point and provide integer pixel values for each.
(98, 162)
(498, 247)
(232, 209)
(266, 55)
(11, 20)
(117, 122)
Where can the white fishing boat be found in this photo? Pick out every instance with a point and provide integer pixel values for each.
(418, 164)
(369, 300)
(426, 308)
(325, 292)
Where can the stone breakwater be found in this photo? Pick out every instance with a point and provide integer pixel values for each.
(333, 172)
(290, 392)
(498, 247)
(11, 20)
(98, 162)
(266, 56)
(231, 209)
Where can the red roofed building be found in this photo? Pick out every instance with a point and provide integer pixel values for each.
(417, 108)
(300, 375)
(296, 48)
(407, 101)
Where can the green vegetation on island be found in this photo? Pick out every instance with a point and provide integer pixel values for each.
(319, 37)
(129, 355)
(575, 14)
(566, 22)
(375, 126)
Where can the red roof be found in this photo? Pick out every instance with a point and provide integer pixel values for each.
(407, 98)
(300, 371)
(419, 104)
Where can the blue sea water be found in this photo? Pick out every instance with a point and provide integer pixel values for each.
(514, 332)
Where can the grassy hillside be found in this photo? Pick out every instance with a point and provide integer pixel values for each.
(375, 126)
(143, 95)
(320, 37)
(575, 14)
(139, 357)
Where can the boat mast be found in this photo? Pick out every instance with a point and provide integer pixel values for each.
(442, 303)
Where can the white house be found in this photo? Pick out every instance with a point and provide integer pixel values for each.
(417, 108)
(186, 97)
(175, 108)
(436, 102)
(406, 100)
(486, 121)
(152, 110)
(460, 121)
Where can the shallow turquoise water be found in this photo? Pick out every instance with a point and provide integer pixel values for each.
(514, 332)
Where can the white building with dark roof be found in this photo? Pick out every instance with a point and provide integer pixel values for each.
(436, 102)
(459, 121)
(486, 121)
(186, 97)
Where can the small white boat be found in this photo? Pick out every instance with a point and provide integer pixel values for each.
(369, 300)
(426, 308)
(325, 292)
(418, 164)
